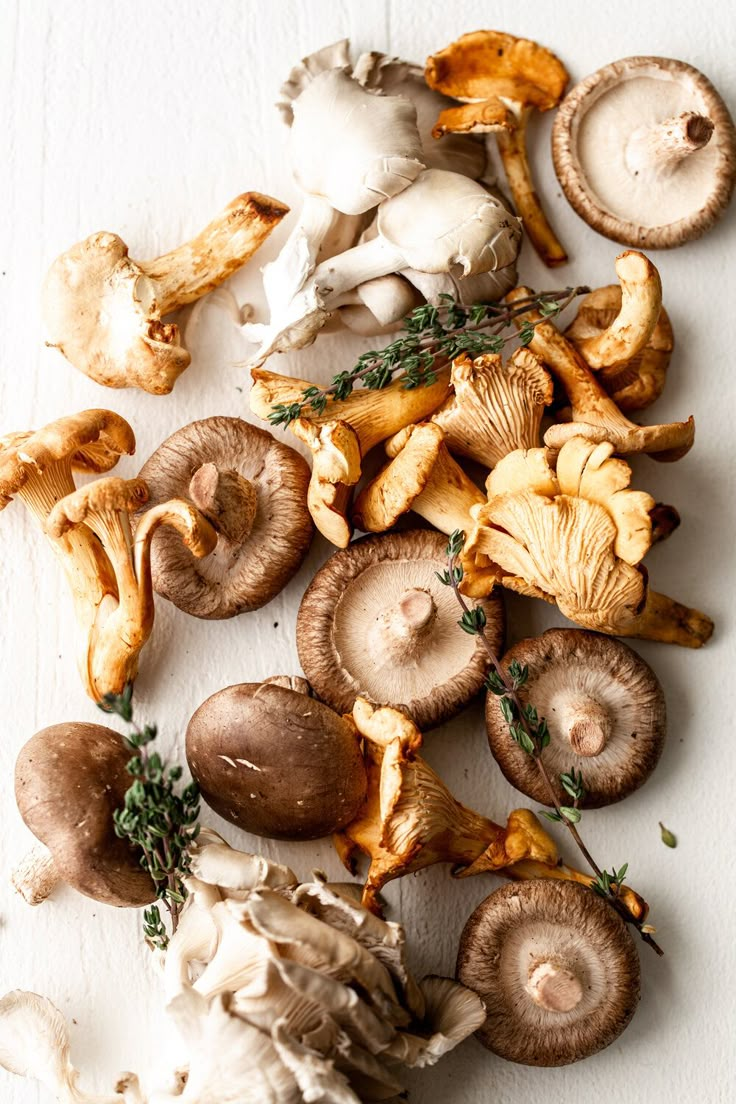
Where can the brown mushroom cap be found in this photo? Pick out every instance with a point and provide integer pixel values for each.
(69, 780)
(605, 709)
(645, 151)
(556, 969)
(376, 623)
(275, 762)
(636, 383)
(254, 491)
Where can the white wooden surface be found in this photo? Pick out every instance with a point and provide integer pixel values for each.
(147, 117)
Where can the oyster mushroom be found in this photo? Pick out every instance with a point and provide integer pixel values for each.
(421, 476)
(104, 311)
(69, 780)
(575, 534)
(645, 151)
(637, 380)
(253, 491)
(275, 762)
(556, 969)
(494, 408)
(376, 623)
(342, 434)
(501, 79)
(605, 710)
(594, 414)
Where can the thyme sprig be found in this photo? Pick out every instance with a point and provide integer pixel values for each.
(433, 336)
(532, 735)
(155, 818)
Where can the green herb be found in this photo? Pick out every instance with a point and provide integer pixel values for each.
(669, 839)
(433, 336)
(156, 818)
(531, 733)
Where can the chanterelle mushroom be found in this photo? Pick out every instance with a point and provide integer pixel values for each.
(421, 476)
(645, 151)
(104, 311)
(494, 408)
(376, 623)
(501, 79)
(566, 527)
(275, 762)
(555, 968)
(69, 780)
(253, 490)
(604, 707)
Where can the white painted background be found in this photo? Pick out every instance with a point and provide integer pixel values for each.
(146, 118)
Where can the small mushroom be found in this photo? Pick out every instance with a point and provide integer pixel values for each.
(342, 434)
(605, 710)
(645, 151)
(594, 414)
(421, 476)
(104, 311)
(275, 762)
(494, 408)
(253, 491)
(375, 622)
(501, 79)
(556, 969)
(69, 780)
(635, 380)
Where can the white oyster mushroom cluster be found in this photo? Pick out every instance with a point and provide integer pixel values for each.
(281, 992)
(390, 217)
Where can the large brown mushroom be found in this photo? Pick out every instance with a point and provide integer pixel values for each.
(376, 623)
(69, 780)
(645, 151)
(253, 490)
(273, 761)
(556, 969)
(605, 710)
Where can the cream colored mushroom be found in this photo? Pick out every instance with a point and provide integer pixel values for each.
(104, 311)
(421, 476)
(342, 434)
(594, 414)
(575, 534)
(494, 408)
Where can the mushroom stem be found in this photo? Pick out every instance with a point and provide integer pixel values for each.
(512, 147)
(553, 987)
(588, 726)
(631, 329)
(662, 148)
(447, 499)
(525, 869)
(198, 266)
(399, 631)
(227, 499)
(669, 622)
(36, 875)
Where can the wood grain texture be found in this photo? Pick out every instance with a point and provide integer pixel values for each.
(146, 118)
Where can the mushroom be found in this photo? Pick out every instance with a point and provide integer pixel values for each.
(556, 969)
(634, 381)
(594, 414)
(342, 434)
(89, 532)
(376, 623)
(410, 820)
(421, 476)
(645, 151)
(275, 762)
(69, 780)
(500, 80)
(253, 491)
(494, 408)
(605, 710)
(442, 223)
(575, 534)
(104, 311)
